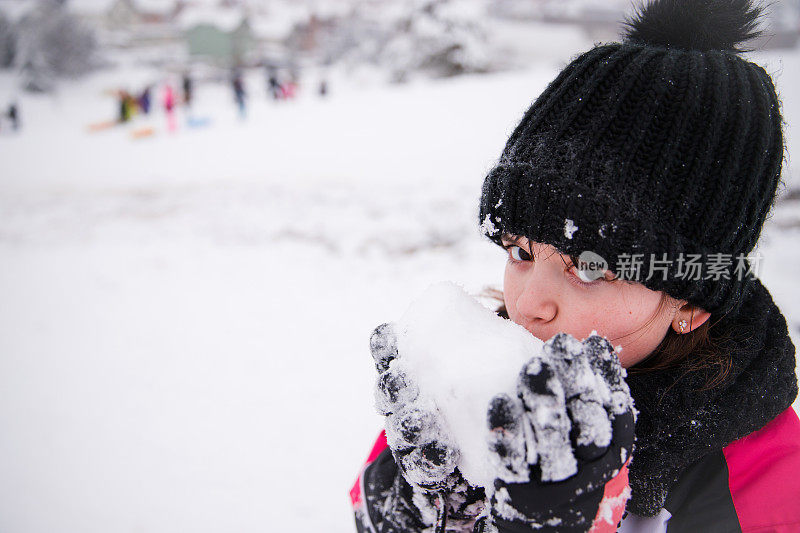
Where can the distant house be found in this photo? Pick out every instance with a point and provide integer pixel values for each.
(305, 35)
(157, 11)
(222, 35)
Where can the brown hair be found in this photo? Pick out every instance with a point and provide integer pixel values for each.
(698, 347)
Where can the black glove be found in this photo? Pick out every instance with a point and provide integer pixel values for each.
(421, 447)
(557, 443)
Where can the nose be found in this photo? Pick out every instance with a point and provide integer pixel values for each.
(538, 303)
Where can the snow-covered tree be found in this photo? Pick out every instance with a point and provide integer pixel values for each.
(439, 37)
(52, 43)
(436, 37)
(7, 41)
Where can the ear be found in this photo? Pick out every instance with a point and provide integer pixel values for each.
(688, 318)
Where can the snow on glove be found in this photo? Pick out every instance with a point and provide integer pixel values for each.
(561, 446)
(420, 445)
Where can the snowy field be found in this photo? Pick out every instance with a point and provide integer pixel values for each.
(185, 317)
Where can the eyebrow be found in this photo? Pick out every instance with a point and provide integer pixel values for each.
(511, 238)
(516, 239)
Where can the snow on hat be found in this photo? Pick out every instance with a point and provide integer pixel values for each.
(667, 144)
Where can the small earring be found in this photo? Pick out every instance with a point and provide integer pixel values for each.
(682, 325)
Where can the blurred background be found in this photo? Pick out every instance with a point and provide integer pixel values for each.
(207, 205)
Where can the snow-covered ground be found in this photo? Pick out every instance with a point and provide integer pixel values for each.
(185, 316)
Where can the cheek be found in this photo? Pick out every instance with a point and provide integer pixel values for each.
(511, 289)
(601, 315)
(634, 325)
(618, 313)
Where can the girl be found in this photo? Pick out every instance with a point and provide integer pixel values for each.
(628, 199)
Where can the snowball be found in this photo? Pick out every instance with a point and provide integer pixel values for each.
(461, 355)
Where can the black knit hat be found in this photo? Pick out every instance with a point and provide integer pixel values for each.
(667, 145)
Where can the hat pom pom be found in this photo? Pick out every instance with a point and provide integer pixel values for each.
(694, 24)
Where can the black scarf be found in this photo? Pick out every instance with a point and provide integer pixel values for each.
(678, 425)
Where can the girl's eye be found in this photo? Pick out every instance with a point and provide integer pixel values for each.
(583, 275)
(518, 254)
(587, 277)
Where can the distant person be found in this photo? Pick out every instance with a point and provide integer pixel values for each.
(291, 85)
(144, 100)
(273, 85)
(169, 107)
(239, 94)
(323, 88)
(125, 110)
(188, 89)
(13, 115)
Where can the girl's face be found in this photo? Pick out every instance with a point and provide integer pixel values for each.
(545, 294)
